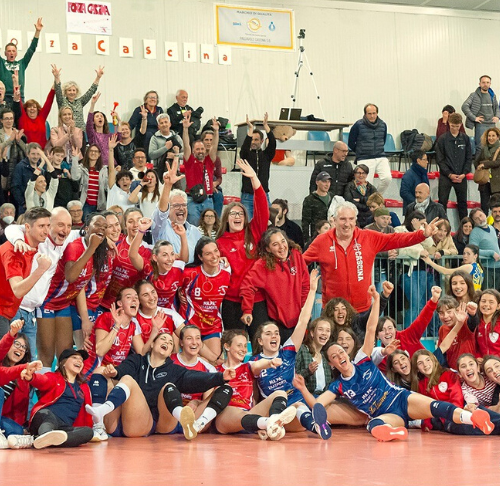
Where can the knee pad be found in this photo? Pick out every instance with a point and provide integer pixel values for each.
(172, 397)
(442, 410)
(221, 398)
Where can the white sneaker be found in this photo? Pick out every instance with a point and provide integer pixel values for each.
(3, 441)
(100, 434)
(20, 441)
(279, 435)
(187, 421)
(276, 422)
(262, 434)
(51, 438)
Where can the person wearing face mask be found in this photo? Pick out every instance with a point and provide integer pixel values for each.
(68, 96)
(7, 216)
(10, 64)
(171, 211)
(484, 236)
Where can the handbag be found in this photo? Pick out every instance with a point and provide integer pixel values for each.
(198, 193)
(482, 176)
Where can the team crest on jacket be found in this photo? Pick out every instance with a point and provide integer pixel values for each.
(293, 270)
(443, 386)
(493, 337)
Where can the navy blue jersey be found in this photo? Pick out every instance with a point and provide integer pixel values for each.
(369, 390)
(281, 378)
(68, 406)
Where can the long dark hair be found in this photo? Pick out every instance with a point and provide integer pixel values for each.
(410, 216)
(156, 191)
(105, 128)
(202, 224)
(250, 244)
(198, 250)
(27, 354)
(100, 257)
(86, 161)
(267, 256)
(459, 235)
(467, 279)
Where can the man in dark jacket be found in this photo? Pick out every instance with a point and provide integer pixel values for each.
(481, 110)
(417, 174)
(315, 206)
(177, 112)
(367, 138)
(337, 166)
(259, 159)
(425, 204)
(291, 229)
(454, 157)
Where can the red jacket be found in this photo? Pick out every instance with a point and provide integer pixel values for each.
(52, 386)
(447, 390)
(35, 130)
(285, 289)
(232, 246)
(348, 273)
(16, 406)
(488, 338)
(410, 337)
(465, 342)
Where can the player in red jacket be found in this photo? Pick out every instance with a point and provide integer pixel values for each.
(280, 267)
(488, 331)
(237, 239)
(346, 255)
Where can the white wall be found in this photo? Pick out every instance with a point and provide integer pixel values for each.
(409, 61)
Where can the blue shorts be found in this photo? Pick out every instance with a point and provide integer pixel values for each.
(398, 406)
(177, 430)
(77, 321)
(43, 313)
(118, 432)
(210, 336)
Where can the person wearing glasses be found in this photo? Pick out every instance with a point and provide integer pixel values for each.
(75, 209)
(172, 210)
(358, 191)
(339, 169)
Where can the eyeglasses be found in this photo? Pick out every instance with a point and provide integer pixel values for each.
(18, 345)
(75, 211)
(93, 151)
(8, 118)
(179, 206)
(139, 157)
(360, 172)
(118, 213)
(210, 215)
(235, 214)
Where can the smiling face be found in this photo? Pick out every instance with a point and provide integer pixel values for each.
(360, 176)
(340, 314)
(66, 115)
(73, 365)
(401, 365)
(199, 151)
(492, 370)
(97, 225)
(31, 110)
(125, 131)
(129, 302)
(60, 227)
(182, 98)
(479, 219)
(163, 345)
(270, 339)
(278, 246)
(114, 228)
(442, 233)
(467, 228)
(191, 342)
(165, 258)
(447, 316)
(321, 334)
(8, 120)
(164, 126)
(339, 359)
(17, 351)
(237, 350)
(388, 333)
(93, 154)
(178, 210)
(210, 256)
(256, 142)
(468, 369)
(345, 222)
(459, 287)
(38, 231)
(132, 223)
(236, 219)
(492, 137)
(148, 299)
(41, 184)
(425, 365)
(488, 305)
(71, 92)
(345, 341)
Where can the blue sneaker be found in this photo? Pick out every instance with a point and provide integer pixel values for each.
(320, 421)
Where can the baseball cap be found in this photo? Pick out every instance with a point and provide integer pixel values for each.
(323, 176)
(71, 352)
(381, 212)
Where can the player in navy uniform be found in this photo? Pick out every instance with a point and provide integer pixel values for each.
(390, 407)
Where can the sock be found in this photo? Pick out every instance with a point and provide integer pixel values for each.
(45, 369)
(250, 423)
(374, 423)
(442, 410)
(279, 404)
(173, 400)
(207, 415)
(465, 417)
(219, 401)
(98, 388)
(301, 409)
(307, 421)
(116, 397)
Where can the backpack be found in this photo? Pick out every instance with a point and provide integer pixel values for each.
(412, 140)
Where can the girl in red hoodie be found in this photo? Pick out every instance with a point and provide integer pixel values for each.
(280, 267)
(488, 331)
(237, 239)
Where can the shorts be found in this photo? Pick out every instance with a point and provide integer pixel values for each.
(177, 430)
(212, 335)
(398, 406)
(118, 432)
(43, 313)
(77, 320)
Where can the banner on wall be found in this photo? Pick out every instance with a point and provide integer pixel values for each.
(84, 17)
(252, 27)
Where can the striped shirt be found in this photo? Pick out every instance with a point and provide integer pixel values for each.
(93, 189)
(481, 396)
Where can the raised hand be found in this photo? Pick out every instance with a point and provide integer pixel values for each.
(186, 121)
(159, 320)
(95, 98)
(215, 124)
(179, 229)
(143, 112)
(461, 312)
(314, 279)
(100, 71)
(19, 134)
(392, 346)
(145, 224)
(250, 127)
(435, 293)
(373, 292)
(387, 288)
(113, 141)
(471, 308)
(246, 168)
(16, 326)
(119, 316)
(56, 72)
(44, 262)
(170, 176)
(431, 228)
(264, 123)
(38, 25)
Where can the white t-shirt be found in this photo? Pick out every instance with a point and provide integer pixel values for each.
(117, 196)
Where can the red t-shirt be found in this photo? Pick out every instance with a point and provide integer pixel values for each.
(124, 273)
(61, 292)
(166, 285)
(242, 385)
(464, 342)
(96, 288)
(195, 174)
(120, 348)
(200, 365)
(204, 294)
(173, 321)
(12, 264)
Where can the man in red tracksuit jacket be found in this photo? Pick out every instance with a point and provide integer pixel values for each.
(346, 255)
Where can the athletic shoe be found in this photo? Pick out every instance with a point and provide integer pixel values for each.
(187, 421)
(3, 441)
(276, 422)
(262, 434)
(280, 434)
(51, 438)
(481, 420)
(415, 424)
(20, 441)
(320, 421)
(100, 434)
(385, 433)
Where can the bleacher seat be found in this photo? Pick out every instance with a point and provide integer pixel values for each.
(230, 199)
(393, 203)
(317, 136)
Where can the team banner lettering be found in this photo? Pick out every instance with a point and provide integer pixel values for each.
(85, 17)
(259, 28)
